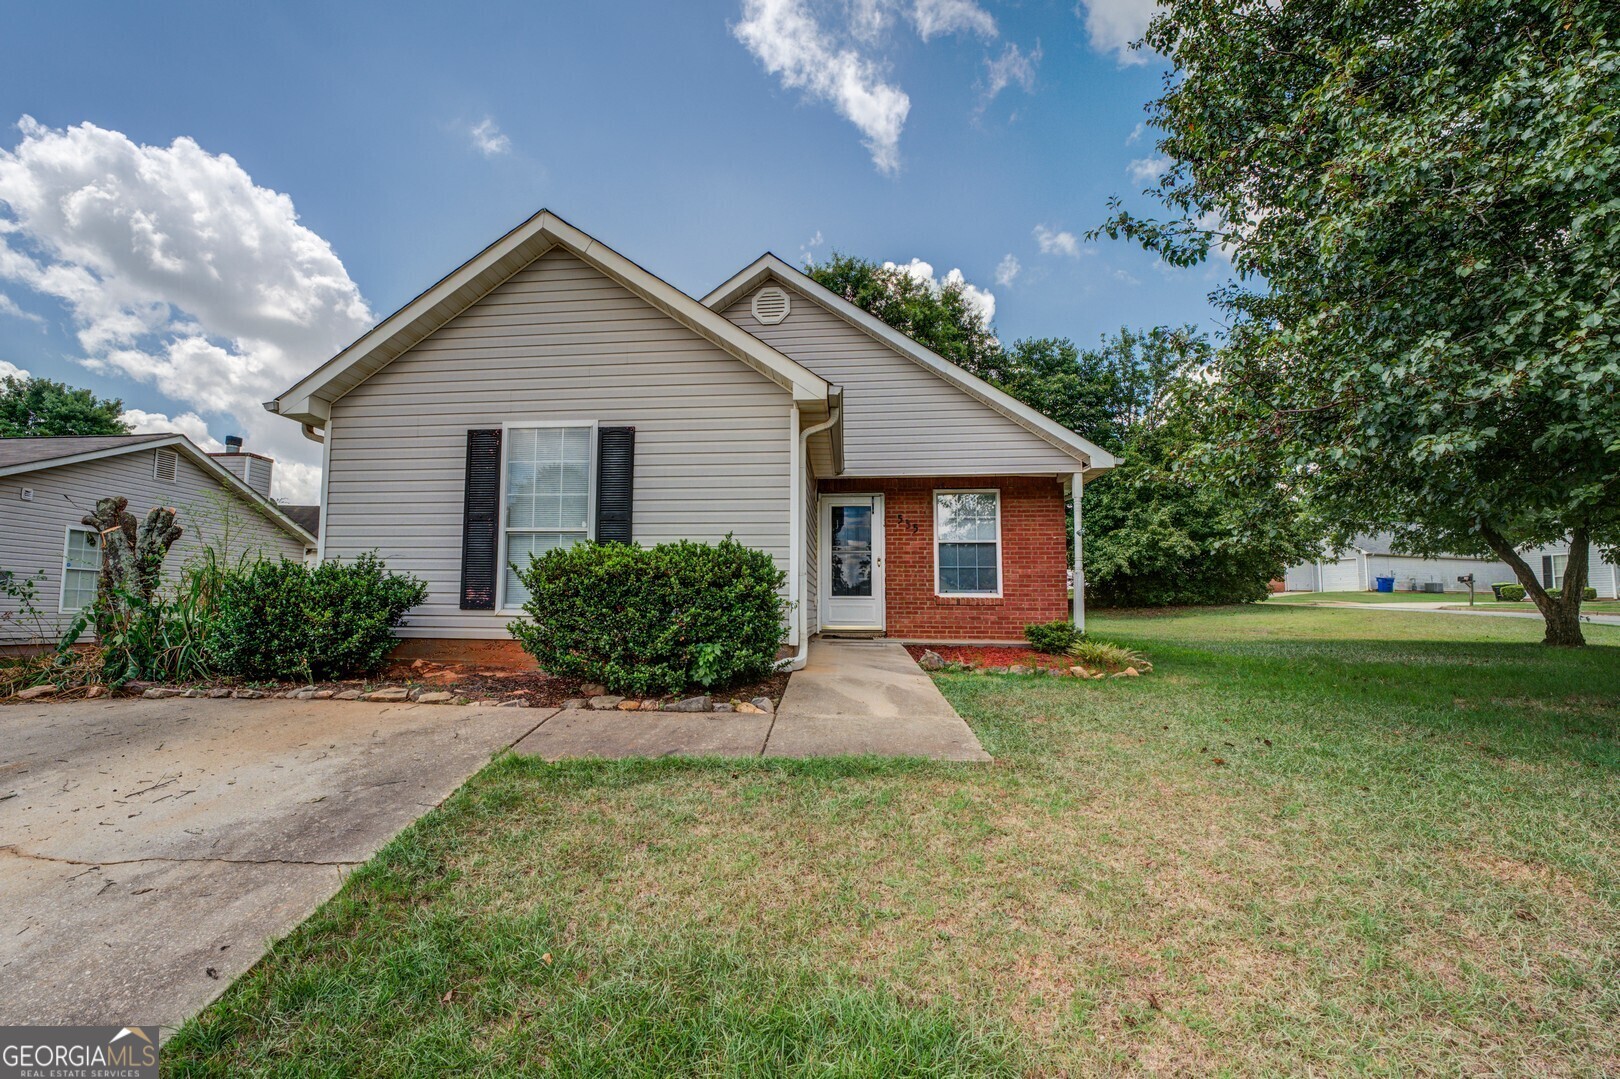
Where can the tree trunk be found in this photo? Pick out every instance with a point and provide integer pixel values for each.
(1562, 613)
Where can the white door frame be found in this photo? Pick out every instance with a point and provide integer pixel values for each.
(825, 600)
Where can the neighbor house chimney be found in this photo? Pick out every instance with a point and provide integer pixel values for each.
(251, 468)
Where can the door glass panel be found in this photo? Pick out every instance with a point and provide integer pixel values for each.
(851, 551)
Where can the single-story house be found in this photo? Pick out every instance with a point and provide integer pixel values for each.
(1372, 556)
(48, 485)
(550, 391)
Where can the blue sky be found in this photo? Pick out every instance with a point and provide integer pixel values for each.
(343, 157)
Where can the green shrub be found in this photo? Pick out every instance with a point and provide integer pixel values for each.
(1509, 593)
(1052, 638)
(658, 619)
(280, 620)
(1586, 593)
(1499, 585)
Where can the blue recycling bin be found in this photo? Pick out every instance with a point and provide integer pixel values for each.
(1385, 584)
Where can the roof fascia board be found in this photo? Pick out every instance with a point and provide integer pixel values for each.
(769, 265)
(88, 455)
(304, 401)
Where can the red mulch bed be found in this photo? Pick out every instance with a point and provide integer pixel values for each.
(990, 656)
(485, 681)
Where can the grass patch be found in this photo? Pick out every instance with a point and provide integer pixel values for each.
(1315, 840)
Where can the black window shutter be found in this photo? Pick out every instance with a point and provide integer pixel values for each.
(1546, 571)
(480, 520)
(615, 483)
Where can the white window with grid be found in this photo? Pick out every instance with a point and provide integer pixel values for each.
(967, 543)
(81, 568)
(548, 483)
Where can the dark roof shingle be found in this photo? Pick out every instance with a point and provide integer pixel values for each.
(36, 450)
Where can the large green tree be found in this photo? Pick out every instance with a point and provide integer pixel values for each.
(1422, 201)
(39, 406)
(1156, 536)
(939, 316)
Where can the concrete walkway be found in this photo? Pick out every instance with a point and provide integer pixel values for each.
(1453, 608)
(149, 850)
(853, 697)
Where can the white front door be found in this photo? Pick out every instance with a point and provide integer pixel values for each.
(852, 561)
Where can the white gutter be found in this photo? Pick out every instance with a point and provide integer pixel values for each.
(799, 583)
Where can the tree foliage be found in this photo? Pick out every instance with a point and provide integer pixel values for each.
(940, 318)
(1422, 200)
(1154, 535)
(39, 406)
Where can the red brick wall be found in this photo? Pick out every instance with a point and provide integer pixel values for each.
(1034, 558)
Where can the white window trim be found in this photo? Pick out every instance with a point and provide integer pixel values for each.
(1557, 573)
(1001, 579)
(61, 593)
(501, 606)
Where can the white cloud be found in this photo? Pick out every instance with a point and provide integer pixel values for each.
(1054, 242)
(1113, 24)
(189, 424)
(1007, 270)
(980, 299)
(8, 306)
(11, 370)
(935, 17)
(180, 272)
(786, 39)
(488, 140)
(1012, 66)
(1127, 277)
(1145, 170)
(1136, 133)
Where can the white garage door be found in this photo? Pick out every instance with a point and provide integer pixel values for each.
(1343, 576)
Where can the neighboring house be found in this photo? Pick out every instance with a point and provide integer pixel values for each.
(1370, 557)
(551, 391)
(48, 485)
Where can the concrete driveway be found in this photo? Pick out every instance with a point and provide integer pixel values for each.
(150, 850)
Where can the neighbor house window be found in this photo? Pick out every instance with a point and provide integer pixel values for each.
(967, 543)
(548, 496)
(81, 566)
(1559, 563)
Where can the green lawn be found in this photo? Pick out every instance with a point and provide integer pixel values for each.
(1314, 840)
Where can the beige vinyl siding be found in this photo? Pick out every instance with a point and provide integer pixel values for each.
(557, 342)
(899, 418)
(34, 533)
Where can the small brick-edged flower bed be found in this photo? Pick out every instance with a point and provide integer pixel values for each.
(1012, 660)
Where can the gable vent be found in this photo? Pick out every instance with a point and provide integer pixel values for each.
(771, 305)
(164, 465)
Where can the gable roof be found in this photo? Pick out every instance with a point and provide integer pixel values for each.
(768, 266)
(23, 455)
(310, 400)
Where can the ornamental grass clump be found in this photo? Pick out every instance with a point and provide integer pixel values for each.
(1094, 653)
(653, 620)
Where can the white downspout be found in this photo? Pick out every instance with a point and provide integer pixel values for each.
(1077, 485)
(800, 584)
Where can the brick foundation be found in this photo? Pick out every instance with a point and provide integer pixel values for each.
(1034, 558)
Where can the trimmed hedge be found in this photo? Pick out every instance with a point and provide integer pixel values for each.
(647, 620)
(282, 620)
(1052, 638)
(1586, 593)
(1509, 593)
